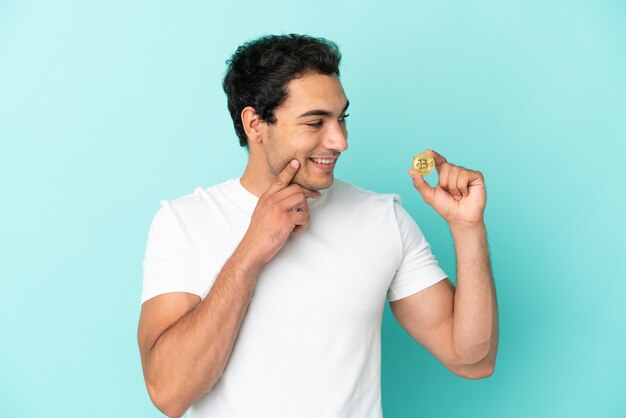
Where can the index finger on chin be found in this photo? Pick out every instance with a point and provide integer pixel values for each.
(283, 178)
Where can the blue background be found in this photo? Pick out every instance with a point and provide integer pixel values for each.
(107, 107)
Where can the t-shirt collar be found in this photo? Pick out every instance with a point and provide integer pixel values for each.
(250, 200)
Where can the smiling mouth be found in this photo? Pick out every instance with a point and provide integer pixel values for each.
(324, 164)
(323, 160)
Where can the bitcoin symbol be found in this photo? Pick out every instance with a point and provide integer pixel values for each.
(423, 163)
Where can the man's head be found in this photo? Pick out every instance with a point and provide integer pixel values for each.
(286, 101)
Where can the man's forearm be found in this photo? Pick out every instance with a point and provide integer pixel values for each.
(188, 358)
(475, 327)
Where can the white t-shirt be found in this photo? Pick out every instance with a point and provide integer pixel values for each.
(309, 345)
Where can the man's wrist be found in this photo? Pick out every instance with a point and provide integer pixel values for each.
(246, 259)
(465, 228)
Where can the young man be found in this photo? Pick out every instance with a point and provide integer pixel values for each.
(263, 296)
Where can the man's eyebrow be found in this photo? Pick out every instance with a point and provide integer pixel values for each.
(322, 112)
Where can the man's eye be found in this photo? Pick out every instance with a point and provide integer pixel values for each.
(343, 118)
(315, 124)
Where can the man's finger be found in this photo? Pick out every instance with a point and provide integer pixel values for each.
(283, 178)
(444, 176)
(301, 218)
(439, 159)
(453, 180)
(295, 201)
(295, 189)
(427, 192)
(300, 221)
(463, 181)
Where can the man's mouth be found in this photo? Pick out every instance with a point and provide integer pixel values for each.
(324, 164)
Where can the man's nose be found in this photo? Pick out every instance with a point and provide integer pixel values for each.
(337, 138)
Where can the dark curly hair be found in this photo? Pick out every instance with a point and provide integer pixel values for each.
(259, 71)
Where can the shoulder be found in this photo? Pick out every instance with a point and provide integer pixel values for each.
(350, 193)
(192, 204)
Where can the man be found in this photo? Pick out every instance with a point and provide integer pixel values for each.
(263, 296)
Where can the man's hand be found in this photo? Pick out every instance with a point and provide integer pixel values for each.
(281, 210)
(460, 195)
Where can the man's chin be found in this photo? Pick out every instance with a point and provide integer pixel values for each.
(315, 185)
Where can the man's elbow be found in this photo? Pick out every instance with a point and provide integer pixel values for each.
(166, 403)
(481, 370)
(476, 362)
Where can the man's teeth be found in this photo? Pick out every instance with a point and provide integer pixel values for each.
(322, 161)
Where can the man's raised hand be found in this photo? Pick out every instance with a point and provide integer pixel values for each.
(459, 196)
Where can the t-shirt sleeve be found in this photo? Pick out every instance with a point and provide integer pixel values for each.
(167, 264)
(418, 268)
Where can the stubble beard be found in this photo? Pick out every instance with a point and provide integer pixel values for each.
(271, 153)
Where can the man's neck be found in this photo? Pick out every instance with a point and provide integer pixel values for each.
(256, 178)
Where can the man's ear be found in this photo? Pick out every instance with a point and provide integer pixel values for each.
(252, 124)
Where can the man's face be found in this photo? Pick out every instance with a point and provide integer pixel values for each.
(310, 125)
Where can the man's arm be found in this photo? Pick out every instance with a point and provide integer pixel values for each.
(185, 343)
(459, 326)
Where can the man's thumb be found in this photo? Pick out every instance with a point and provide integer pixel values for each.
(427, 192)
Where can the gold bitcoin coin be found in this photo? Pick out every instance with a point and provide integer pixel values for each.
(423, 163)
